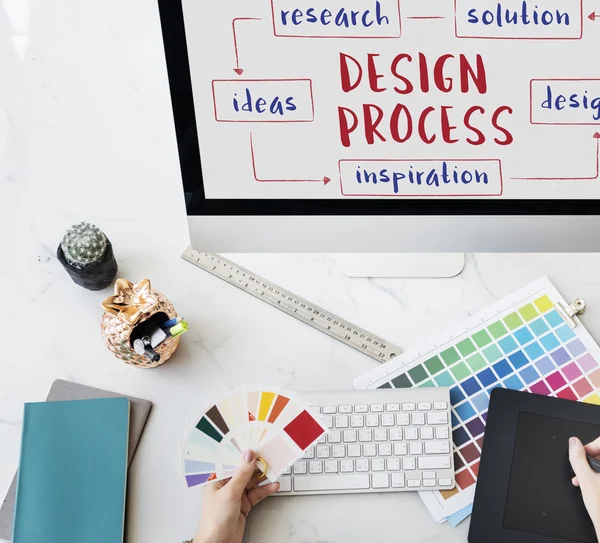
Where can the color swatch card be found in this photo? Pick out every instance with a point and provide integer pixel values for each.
(274, 424)
(521, 343)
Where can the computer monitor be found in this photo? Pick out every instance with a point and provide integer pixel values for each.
(372, 127)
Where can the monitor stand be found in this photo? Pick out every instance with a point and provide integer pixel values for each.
(399, 264)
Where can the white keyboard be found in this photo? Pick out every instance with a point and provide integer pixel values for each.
(384, 440)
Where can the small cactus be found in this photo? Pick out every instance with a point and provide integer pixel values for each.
(84, 245)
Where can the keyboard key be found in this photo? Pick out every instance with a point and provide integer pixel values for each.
(332, 482)
(441, 432)
(338, 451)
(349, 436)
(353, 451)
(323, 451)
(428, 482)
(445, 482)
(331, 466)
(315, 410)
(416, 448)
(437, 418)
(410, 434)
(395, 434)
(328, 421)
(387, 419)
(409, 463)
(362, 465)
(417, 419)
(310, 453)
(315, 466)
(428, 475)
(434, 462)
(346, 465)
(397, 480)
(380, 480)
(377, 408)
(344, 409)
(322, 439)
(285, 484)
(384, 449)
(380, 434)
(372, 421)
(440, 406)
(341, 421)
(424, 406)
(362, 408)
(409, 406)
(369, 449)
(299, 467)
(335, 436)
(427, 432)
(365, 435)
(392, 464)
(392, 407)
(400, 449)
(413, 483)
(437, 447)
(378, 464)
(357, 421)
(402, 419)
(288, 471)
(329, 410)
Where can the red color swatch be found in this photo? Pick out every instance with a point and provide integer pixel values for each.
(470, 452)
(475, 469)
(567, 394)
(582, 387)
(556, 380)
(540, 388)
(464, 479)
(304, 430)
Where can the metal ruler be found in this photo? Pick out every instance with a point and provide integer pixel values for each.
(293, 305)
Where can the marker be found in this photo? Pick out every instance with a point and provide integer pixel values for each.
(149, 352)
(179, 329)
(170, 323)
(594, 464)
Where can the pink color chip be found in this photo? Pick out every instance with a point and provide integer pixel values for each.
(567, 394)
(556, 380)
(540, 388)
(587, 362)
(572, 371)
(582, 387)
(594, 377)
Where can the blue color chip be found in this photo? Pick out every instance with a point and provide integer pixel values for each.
(553, 318)
(518, 360)
(464, 411)
(523, 335)
(538, 327)
(502, 368)
(481, 401)
(455, 421)
(460, 436)
(514, 383)
(508, 344)
(550, 342)
(486, 377)
(444, 379)
(529, 375)
(471, 386)
(545, 365)
(565, 333)
(534, 351)
(456, 395)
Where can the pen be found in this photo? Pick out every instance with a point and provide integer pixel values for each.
(142, 346)
(170, 323)
(594, 464)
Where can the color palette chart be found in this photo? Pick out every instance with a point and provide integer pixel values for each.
(521, 343)
(274, 424)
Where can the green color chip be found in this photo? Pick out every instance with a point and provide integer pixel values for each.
(482, 338)
(418, 374)
(476, 362)
(466, 347)
(402, 381)
(427, 384)
(434, 365)
(528, 312)
(450, 356)
(498, 330)
(492, 353)
(460, 371)
(544, 303)
(513, 321)
(385, 385)
(444, 379)
(207, 428)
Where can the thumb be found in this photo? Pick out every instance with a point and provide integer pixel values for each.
(578, 460)
(245, 471)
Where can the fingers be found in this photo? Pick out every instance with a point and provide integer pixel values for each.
(257, 478)
(575, 481)
(259, 493)
(579, 462)
(593, 448)
(245, 471)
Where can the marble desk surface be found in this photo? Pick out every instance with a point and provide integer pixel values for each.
(86, 134)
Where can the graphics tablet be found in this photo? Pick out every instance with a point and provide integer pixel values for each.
(524, 492)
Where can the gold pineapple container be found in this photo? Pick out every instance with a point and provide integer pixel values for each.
(133, 308)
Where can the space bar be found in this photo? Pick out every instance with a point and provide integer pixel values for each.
(305, 483)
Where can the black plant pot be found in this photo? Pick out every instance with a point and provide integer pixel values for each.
(95, 277)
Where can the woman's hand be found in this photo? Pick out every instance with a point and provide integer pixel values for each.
(227, 504)
(585, 478)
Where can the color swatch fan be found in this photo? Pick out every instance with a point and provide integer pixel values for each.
(274, 424)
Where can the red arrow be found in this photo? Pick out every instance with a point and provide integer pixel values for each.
(593, 16)
(325, 180)
(237, 68)
(596, 136)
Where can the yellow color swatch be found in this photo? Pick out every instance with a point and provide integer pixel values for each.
(593, 399)
(266, 400)
(544, 303)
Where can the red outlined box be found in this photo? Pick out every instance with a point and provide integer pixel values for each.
(358, 162)
(338, 36)
(475, 37)
(563, 123)
(238, 117)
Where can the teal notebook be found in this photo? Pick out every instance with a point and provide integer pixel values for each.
(73, 472)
